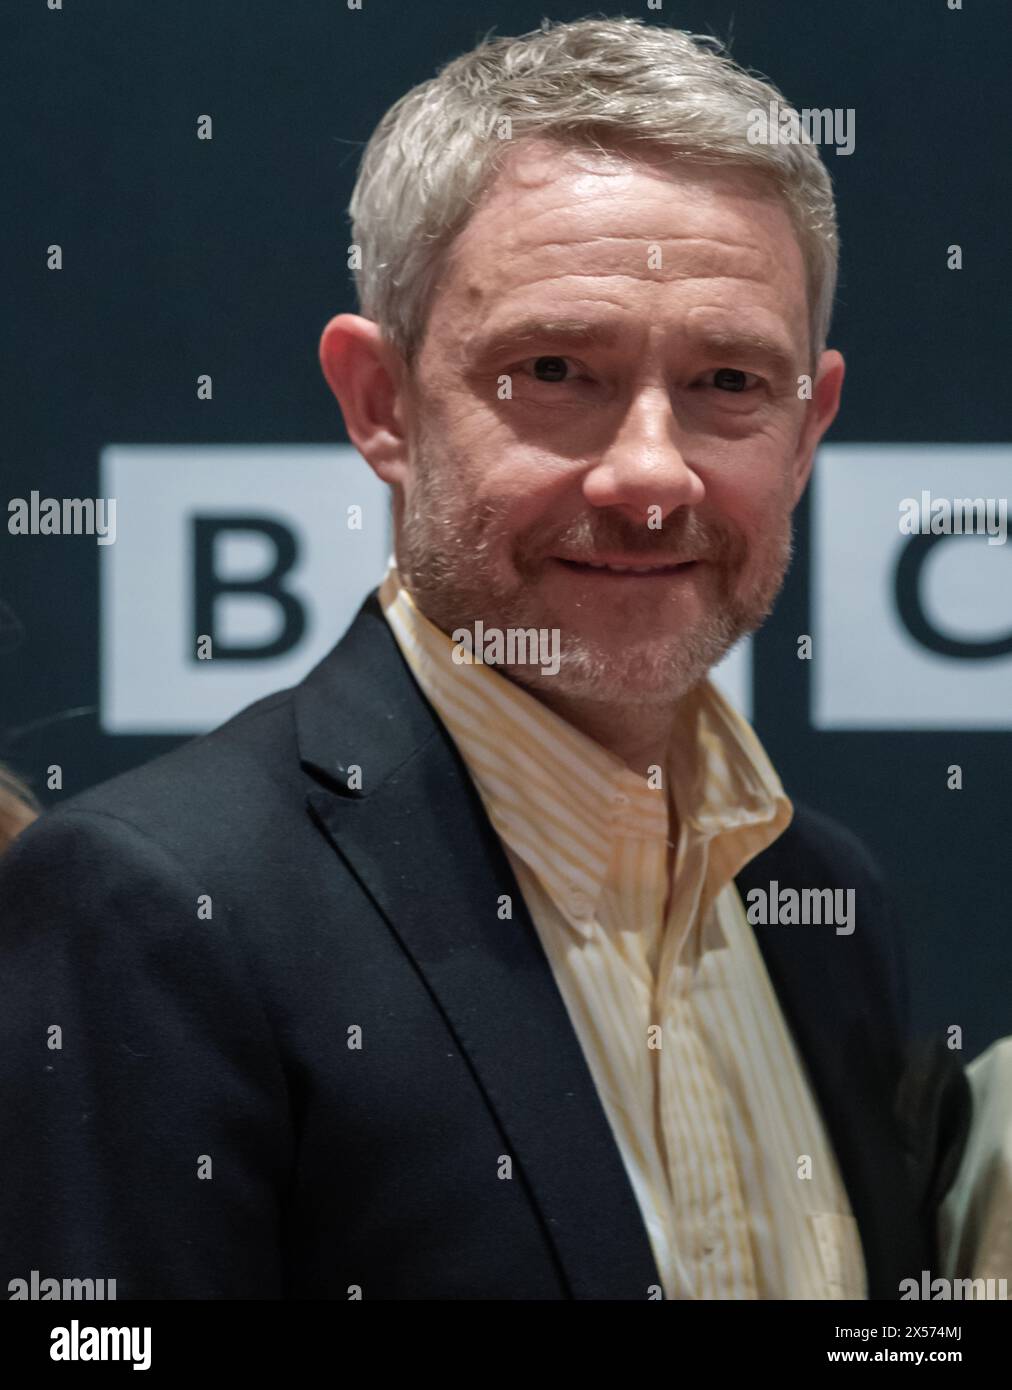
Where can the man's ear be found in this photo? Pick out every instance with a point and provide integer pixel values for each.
(820, 414)
(366, 374)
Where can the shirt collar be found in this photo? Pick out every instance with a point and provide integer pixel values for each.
(535, 771)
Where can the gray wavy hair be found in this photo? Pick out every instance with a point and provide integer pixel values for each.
(602, 83)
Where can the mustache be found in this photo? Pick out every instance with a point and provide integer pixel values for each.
(679, 539)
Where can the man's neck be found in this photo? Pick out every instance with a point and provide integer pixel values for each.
(638, 734)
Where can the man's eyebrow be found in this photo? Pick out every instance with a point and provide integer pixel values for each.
(747, 343)
(491, 342)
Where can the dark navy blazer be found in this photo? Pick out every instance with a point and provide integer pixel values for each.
(208, 933)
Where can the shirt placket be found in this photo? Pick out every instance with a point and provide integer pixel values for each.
(708, 1207)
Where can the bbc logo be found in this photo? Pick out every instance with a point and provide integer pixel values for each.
(251, 546)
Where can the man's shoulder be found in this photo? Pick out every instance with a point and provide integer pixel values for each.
(816, 846)
(224, 787)
(817, 852)
(252, 742)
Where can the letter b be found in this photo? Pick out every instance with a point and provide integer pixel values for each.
(210, 586)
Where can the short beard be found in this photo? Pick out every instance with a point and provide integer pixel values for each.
(449, 555)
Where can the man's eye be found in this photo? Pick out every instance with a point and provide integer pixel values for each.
(732, 379)
(550, 368)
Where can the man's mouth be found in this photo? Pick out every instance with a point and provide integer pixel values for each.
(640, 569)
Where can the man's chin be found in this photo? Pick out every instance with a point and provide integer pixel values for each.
(631, 674)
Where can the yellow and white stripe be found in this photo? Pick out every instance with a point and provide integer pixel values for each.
(713, 1114)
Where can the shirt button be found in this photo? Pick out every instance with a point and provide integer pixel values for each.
(620, 799)
(580, 905)
(710, 1239)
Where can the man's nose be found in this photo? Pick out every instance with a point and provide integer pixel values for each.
(643, 464)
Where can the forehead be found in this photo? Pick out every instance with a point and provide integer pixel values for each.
(644, 233)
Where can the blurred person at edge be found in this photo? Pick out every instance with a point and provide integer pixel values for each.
(976, 1215)
(441, 969)
(18, 807)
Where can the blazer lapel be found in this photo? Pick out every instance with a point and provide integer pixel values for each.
(836, 1003)
(418, 839)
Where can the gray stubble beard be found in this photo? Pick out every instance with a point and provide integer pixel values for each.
(446, 555)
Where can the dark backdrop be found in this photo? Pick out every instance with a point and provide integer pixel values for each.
(227, 256)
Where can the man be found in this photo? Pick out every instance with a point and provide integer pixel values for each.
(432, 978)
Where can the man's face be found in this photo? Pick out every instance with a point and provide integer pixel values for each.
(652, 327)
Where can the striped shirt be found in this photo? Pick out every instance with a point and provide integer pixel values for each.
(661, 975)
